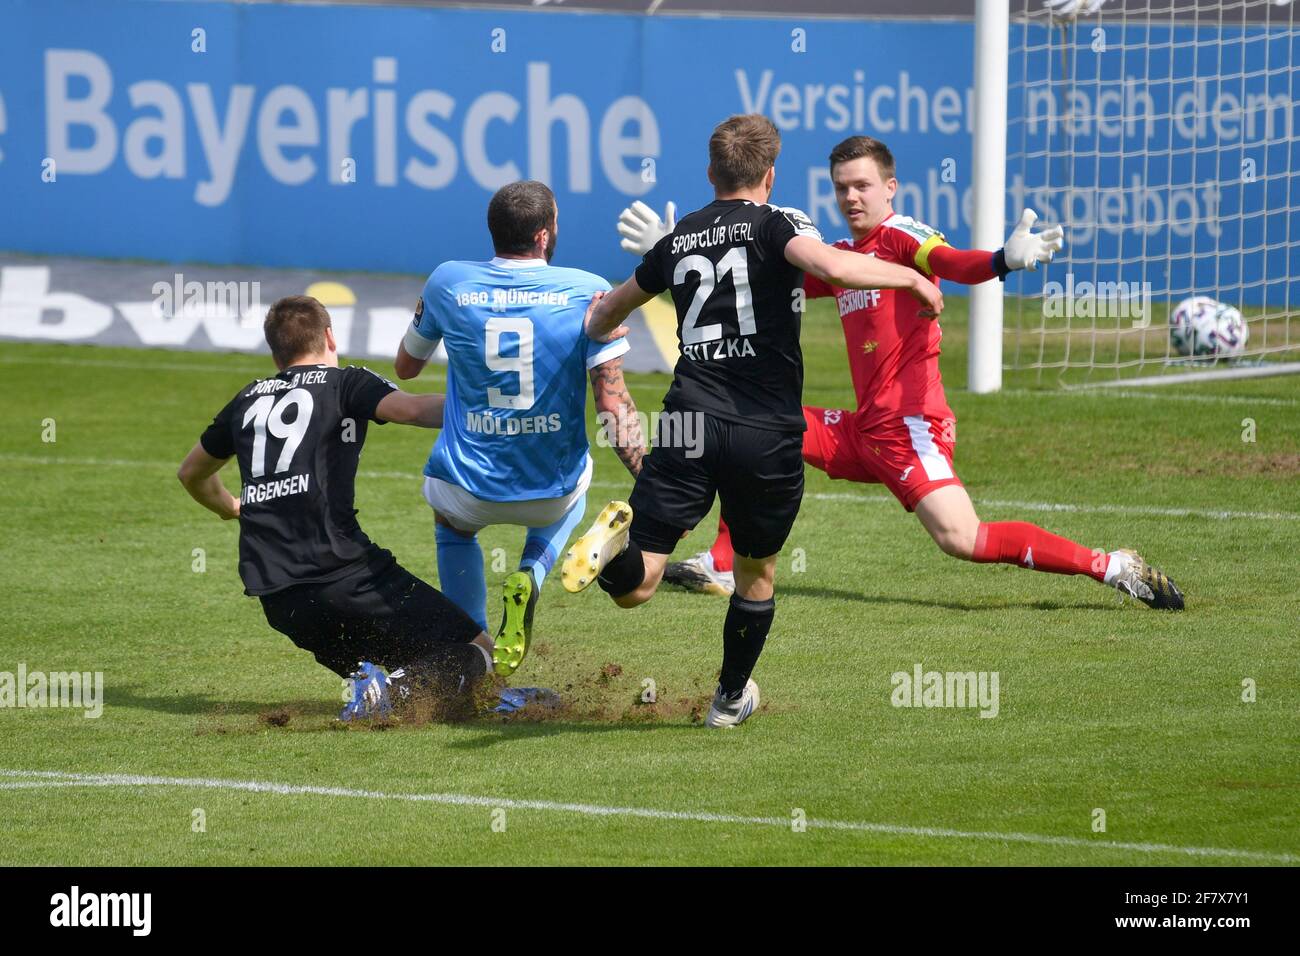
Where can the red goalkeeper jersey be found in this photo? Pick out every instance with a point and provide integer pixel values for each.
(893, 351)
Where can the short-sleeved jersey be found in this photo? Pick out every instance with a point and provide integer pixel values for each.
(514, 427)
(737, 312)
(893, 351)
(298, 437)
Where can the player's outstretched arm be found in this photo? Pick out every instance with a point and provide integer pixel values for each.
(852, 270)
(198, 473)
(1024, 249)
(403, 408)
(605, 315)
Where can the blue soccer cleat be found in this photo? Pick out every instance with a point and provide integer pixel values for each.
(369, 694)
(514, 699)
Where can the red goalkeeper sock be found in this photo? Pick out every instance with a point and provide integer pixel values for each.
(1025, 544)
(721, 550)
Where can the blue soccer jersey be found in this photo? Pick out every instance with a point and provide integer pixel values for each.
(514, 427)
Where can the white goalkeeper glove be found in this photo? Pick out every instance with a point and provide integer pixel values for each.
(641, 227)
(1025, 249)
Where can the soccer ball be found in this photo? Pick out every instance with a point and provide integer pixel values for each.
(1201, 326)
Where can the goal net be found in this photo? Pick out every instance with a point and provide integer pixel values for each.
(1165, 136)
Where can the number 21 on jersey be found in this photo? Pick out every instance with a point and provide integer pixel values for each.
(735, 262)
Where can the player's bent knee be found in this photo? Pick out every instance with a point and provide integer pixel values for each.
(956, 544)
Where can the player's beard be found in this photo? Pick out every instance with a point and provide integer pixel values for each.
(550, 244)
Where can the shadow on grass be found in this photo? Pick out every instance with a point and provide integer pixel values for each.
(835, 594)
(492, 732)
(317, 716)
(200, 705)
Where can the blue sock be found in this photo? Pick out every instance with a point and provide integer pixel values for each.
(543, 545)
(460, 572)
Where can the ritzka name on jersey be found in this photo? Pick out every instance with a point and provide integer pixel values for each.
(721, 349)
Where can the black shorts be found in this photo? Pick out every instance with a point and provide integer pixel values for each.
(381, 613)
(757, 472)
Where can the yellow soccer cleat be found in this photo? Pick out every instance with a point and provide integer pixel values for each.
(604, 541)
(519, 597)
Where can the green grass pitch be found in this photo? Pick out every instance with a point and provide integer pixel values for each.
(1103, 706)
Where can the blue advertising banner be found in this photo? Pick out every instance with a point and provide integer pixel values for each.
(370, 138)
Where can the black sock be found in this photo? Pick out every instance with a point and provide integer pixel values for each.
(623, 574)
(743, 635)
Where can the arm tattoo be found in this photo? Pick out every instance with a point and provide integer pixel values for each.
(618, 412)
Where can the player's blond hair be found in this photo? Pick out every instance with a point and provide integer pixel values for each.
(741, 151)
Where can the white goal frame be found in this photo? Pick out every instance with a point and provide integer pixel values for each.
(988, 332)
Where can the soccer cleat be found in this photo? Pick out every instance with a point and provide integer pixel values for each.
(604, 541)
(513, 699)
(728, 711)
(519, 596)
(698, 574)
(369, 694)
(1149, 585)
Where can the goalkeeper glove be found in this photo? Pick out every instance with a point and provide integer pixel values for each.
(641, 227)
(1025, 249)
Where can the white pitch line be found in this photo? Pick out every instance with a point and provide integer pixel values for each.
(24, 779)
(414, 475)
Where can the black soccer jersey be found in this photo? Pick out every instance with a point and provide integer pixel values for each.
(738, 308)
(298, 437)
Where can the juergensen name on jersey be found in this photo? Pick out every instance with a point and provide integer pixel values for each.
(267, 490)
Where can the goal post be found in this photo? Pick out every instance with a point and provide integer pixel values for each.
(1164, 135)
(989, 169)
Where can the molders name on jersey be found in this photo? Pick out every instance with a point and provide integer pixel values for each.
(487, 424)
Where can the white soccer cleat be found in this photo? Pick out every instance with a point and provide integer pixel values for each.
(604, 541)
(698, 574)
(730, 711)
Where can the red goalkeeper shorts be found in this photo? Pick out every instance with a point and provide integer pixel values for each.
(911, 455)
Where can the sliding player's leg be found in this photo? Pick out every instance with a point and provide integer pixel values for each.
(948, 515)
(383, 616)
(913, 457)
